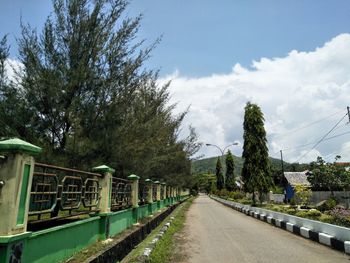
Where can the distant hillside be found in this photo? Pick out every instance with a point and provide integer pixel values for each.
(208, 165)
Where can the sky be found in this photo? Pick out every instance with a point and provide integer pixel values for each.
(292, 58)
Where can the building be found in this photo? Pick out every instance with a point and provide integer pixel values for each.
(291, 179)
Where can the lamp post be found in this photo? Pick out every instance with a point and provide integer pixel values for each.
(222, 151)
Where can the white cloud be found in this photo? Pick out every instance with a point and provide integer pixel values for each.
(11, 66)
(292, 92)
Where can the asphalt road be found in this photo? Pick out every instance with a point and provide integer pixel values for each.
(216, 233)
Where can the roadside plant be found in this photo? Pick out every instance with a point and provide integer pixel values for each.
(303, 194)
(220, 184)
(230, 178)
(256, 171)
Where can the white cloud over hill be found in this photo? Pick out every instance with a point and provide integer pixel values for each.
(294, 91)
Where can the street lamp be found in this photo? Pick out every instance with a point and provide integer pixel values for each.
(222, 151)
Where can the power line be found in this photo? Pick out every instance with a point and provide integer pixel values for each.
(319, 141)
(311, 143)
(310, 124)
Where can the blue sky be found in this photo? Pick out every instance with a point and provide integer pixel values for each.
(291, 57)
(202, 37)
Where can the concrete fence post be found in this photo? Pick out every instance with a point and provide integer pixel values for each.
(164, 190)
(106, 187)
(16, 175)
(134, 190)
(158, 190)
(150, 191)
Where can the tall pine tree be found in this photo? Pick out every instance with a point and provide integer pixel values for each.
(256, 173)
(230, 178)
(220, 183)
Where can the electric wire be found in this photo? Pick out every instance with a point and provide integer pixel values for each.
(322, 139)
(309, 125)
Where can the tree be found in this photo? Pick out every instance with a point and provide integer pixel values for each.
(256, 173)
(85, 96)
(328, 176)
(220, 183)
(230, 178)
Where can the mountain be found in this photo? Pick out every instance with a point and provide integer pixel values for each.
(208, 165)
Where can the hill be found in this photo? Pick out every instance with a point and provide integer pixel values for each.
(207, 165)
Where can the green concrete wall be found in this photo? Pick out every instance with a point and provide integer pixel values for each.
(58, 243)
(120, 221)
(143, 211)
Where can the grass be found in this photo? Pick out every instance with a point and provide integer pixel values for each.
(164, 248)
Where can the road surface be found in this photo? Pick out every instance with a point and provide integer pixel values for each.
(216, 233)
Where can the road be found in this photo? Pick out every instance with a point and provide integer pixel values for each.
(216, 233)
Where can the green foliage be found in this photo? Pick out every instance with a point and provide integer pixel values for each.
(256, 173)
(236, 195)
(223, 193)
(329, 176)
(326, 218)
(277, 189)
(303, 194)
(290, 211)
(86, 97)
(207, 165)
(205, 182)
(220, 184)
(292, 202)
(230, 178)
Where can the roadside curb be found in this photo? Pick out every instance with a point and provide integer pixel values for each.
(322, 238)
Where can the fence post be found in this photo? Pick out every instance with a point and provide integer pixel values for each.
(150, 191)
(164, 190)
(16, 175)
(134, 190)
(158, 190)
(106, 187)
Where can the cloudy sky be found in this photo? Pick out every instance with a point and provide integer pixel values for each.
(290, 57)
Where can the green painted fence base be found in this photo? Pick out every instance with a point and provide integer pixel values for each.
(57, 244)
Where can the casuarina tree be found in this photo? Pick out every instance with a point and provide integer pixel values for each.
(220, 183)
(230, 179)
(256, 174)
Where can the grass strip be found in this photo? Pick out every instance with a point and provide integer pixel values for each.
(164, 250)
(134, 255)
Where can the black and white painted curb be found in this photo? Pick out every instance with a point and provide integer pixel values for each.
(148, 250)
(323, 238)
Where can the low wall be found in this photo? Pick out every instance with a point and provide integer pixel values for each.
(342, 196)
(59, 243)
(276, 198)
(338, 237)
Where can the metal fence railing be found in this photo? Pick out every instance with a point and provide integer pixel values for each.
(56, 189)
(143, 193)
(121, 193)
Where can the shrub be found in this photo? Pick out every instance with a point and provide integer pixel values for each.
(236, 195)
(291, 211)
(341, 216)
(245, 201)
(301, 214)
(278, 190)
(313, 213)
(326, 218)
(303, 194)
(293, 202)
(331, 203)
(223, 193)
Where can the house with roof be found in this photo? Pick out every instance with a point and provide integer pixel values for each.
(291, 179)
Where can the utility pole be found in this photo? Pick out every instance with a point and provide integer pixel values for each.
(348, 108)
(282, 162)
